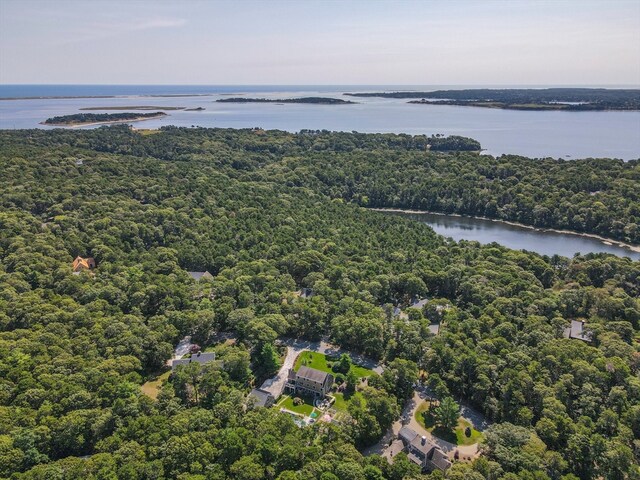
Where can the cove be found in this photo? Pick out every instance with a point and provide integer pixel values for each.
(517, 237)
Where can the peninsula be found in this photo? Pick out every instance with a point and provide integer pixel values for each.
(135, 107)
(83, 119)
(571, 99)
(314, 100)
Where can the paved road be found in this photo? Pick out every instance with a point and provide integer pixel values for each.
(275, 385)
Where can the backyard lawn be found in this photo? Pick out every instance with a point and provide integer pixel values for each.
(152, 387)
(305, 409)
(319, 362)
(341, 402)
(458, 436)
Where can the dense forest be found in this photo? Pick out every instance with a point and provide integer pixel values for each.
(573, 99)
(82, 118)
(267, 213)
(316, 100)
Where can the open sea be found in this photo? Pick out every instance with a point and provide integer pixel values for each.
(568, 135)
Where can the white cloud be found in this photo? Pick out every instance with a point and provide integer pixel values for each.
(160, 23)
(100, 29)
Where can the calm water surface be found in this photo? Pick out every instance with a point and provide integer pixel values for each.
(534, 134)
(515, 237)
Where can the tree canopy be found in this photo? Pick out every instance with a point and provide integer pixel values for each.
(268, 213)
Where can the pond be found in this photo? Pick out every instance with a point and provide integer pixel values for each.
(544, 242)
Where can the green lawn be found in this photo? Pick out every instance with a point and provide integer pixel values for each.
(341, 402)
(152, 387)
(319, 362)
(305, 409)
(458, 437)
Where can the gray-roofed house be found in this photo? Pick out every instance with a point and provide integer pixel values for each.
(197, 276)
(261, 398)
(577, 330)
(200, 357)
(418, 303)
(305, 292)
(423, 452)
(309, 381)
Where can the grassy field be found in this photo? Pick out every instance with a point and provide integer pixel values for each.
(152, 387)
(458, 437)
(341, 402)
(319, 362)
(305, 409)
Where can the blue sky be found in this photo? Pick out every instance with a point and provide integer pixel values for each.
(560, 42)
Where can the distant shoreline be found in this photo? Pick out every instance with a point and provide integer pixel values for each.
(71, 97)
(605, 240)
(531, 107)
(578, 99)
(136, 107)
(106, 122)
(305, 100)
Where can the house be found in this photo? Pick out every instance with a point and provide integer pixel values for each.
(305, 293)
(423, 452)
(80, 264)
(262, 398)
(309, 381)
(200, 357)
(577, 331)
(197, 276)
(418, 302)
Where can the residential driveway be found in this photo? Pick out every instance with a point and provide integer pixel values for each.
(275, 385)
(387, 449)
(181, 350)
(326, 348)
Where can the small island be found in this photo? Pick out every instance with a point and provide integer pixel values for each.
(83, 119)
(135, 107)
(313, 100)
(569, 99)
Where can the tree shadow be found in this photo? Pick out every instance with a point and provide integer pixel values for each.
(444, 434)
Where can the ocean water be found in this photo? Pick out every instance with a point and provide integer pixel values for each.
(556, 134)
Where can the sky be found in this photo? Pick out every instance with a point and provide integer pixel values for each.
(287, 42)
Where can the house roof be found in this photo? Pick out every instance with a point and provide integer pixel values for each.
(407, 434)
(422, 448)
(439, 459)
(312, 374)
(80, 263)
(200, 357)
(577, 331)
(197, 276)
(305, 293)
(262, 397)
(422, 445)
(415, 459)
(418, 303)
